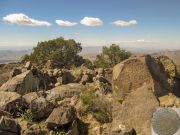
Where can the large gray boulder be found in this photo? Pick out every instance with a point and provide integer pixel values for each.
(22, 83)
(135, 112)
(134, 72)
(64, 91)
(60, 117)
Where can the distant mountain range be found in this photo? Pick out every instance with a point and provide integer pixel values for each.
(10, 56)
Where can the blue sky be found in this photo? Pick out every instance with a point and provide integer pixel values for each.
(129, 23)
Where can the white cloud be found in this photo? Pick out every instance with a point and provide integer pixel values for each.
(23, 19)
(65, 23)
(76, 33)
(124, 23)
(91, 21)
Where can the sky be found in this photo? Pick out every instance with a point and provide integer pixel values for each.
(128, 23)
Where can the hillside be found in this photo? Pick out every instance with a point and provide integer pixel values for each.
(82, 101)
(10, 56)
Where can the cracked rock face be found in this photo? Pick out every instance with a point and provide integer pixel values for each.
(132, 73)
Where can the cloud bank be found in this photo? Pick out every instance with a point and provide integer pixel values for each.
(65, 23)
(23, 19)
(91, 21)
(124, 23)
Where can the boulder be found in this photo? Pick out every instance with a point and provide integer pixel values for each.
(9, 101)
(35, 129)
(168, 65)
(108, 129)
(8, 126)
(22, 83)
(24, 125)
(41, 108)
(61, 116)
(136, 110)
(169, 100)
(29, 97)
(64, 91)
(101, 84)
(134, 72)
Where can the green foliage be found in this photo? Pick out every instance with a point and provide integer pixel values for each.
(96, 106)
(110, 56)
(101, 116)
(57, 132)
(62, 53)
(27, 115)
(88, 97)
(88, 64)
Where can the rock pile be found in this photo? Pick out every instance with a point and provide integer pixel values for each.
(140, 85)
(82, 101)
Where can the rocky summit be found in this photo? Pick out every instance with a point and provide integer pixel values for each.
(81, 101)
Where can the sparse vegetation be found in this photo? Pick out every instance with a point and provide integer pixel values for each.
(27, 115)
(110, 56)
(96, 106)
(57, 132)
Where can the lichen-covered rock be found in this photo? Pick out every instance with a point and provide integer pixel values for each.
(35, 129)
(168, 65)
(134, 72)
(60, 117)
(169, 101)
(22, 83)
(64, 91)
(136, 110)
(130, 75)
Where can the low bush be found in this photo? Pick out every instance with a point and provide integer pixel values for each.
(95, 105)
